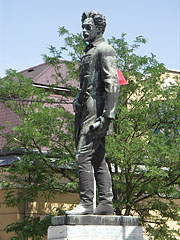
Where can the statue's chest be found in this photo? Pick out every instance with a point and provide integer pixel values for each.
(90, 65)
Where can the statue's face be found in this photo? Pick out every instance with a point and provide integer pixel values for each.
(89, 30)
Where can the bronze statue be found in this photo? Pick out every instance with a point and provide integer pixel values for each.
(95, 108)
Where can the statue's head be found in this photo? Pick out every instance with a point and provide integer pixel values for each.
(93, 25)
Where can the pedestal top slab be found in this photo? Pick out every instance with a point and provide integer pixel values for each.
(95, 220)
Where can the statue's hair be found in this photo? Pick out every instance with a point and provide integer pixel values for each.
(99, 19)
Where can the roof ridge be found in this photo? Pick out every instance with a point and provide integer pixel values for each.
(36, 66)
(42, 72)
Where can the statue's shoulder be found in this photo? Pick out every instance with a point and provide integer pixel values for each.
(105, 49)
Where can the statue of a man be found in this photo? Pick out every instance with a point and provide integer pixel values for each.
(95, 108)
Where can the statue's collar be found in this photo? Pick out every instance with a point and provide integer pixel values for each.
(97, 41)
(94, 44)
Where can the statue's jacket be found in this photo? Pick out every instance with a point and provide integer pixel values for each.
(99, 68)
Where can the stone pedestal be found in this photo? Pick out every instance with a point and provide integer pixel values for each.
(93, 227)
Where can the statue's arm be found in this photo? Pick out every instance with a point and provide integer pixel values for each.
(109, 76)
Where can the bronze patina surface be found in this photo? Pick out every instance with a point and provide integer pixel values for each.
(95, 109)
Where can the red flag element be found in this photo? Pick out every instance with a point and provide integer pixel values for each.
(122, 80)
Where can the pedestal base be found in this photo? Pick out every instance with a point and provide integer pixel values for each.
(103, 228)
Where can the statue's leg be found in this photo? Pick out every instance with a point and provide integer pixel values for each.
(103, 179)
(86, 181)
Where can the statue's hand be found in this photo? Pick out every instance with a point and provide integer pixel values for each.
(101, 126)
(104, 122)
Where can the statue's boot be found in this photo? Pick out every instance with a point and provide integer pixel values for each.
(81, 209)
(104, 209)
(104, 184)
(86, 184)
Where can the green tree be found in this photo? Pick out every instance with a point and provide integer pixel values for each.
(44, 138)
(143, 153)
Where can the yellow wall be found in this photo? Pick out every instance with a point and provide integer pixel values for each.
(44, 207)
(38, 208)
(9, 215)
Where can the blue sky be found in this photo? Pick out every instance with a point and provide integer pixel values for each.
(27, 28)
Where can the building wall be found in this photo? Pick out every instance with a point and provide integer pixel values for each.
(172, 77)
(9, 215)
(40, 208)
(61, 201)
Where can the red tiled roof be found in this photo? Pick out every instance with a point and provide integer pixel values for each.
(8, 119)
(33, 72)
(43, 75)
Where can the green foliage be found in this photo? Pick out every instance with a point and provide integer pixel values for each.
(44, 138)
(32, 227)
(73, 48)
(144, 150)
(143, 153)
